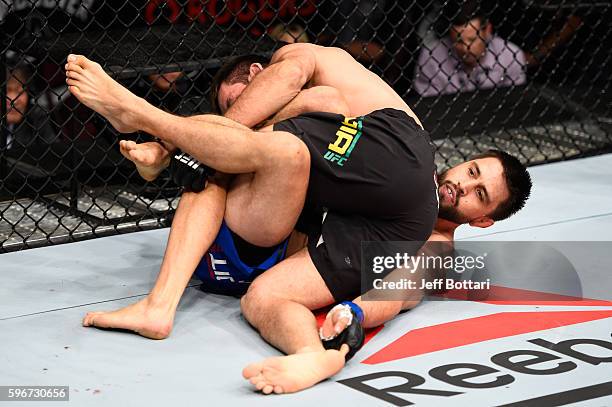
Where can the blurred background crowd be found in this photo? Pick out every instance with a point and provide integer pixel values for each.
(421, 47)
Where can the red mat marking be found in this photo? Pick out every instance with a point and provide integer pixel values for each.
(499, 295)
(479, 329)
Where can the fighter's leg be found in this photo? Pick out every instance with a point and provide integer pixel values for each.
(262, 206)
(253, 203)
(213, 140)
(94, 88)
(151, 158)
(263, 209)
(287, 292)
(193, 230)
(253, 209)
(279, 304)
(279, 160)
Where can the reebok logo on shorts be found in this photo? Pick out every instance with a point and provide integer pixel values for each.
(347, 137)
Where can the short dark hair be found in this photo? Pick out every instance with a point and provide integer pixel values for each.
(461, 12)
(518, 182)
(236, 70)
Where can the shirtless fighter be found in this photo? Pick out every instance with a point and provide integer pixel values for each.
(94, 88)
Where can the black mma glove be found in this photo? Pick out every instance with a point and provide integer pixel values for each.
(353, 335)
(188, 172)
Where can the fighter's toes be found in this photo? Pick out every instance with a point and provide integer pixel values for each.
(260, 384)
(72, 83)
(75, 90)
(89, 318)
(81, 61)
(256, 379)
(253, 370)
(74, 75)
(72, 67)
(128, 144)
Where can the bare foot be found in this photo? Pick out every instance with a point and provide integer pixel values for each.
(95, 89)
(288, 374)
(140, 317)
(150, 158)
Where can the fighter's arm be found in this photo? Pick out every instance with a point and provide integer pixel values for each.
(375, 312)
(378, 312)
(315, 99)
(290, 69)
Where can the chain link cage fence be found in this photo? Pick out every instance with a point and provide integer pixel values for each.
(530, 77)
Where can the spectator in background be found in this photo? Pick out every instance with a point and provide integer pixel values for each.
(380, 34)
(469, 57)
(290, 34)
(164, 90)
(26, 124)
(165, 81)
(353, 25)
(558, 37)
(553, 36)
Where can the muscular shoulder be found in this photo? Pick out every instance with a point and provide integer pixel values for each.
(307, 48)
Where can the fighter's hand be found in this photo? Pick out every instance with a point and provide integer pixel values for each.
(343, 326)
(335, 322)
(151, 158)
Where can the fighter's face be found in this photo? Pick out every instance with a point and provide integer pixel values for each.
(17, 101)
(470, 192)
(470, 41)
(228, 93)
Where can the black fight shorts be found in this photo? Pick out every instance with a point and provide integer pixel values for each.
(372, 178)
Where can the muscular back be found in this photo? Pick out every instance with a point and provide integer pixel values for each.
(363, 90)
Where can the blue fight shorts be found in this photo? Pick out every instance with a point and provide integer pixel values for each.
(223, 272)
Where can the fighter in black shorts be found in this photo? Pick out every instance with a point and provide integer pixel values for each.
(264, 208)
(365, 174)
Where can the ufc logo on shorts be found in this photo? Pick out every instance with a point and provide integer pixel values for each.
(329, 156)
(346, 138)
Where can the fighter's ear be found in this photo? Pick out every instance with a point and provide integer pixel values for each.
(254, 69)
(482, 222)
